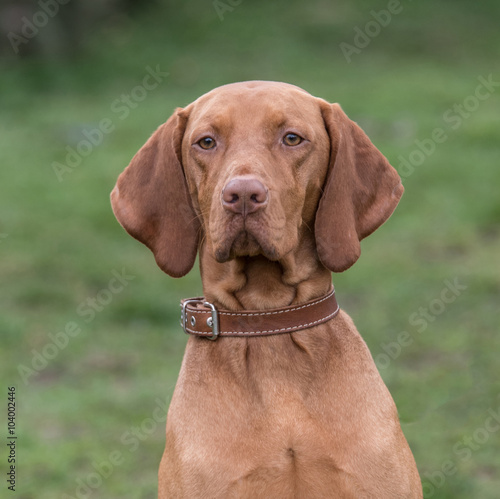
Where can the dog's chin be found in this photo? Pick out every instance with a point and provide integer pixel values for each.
(245, 244)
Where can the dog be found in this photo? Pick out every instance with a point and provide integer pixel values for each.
(274, 189)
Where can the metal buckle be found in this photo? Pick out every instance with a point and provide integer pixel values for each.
(212, 322)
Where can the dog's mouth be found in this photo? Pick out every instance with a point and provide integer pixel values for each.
(242, 239)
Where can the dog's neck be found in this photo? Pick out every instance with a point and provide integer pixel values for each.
(238, 284)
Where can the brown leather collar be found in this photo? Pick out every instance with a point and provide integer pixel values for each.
(201, 318)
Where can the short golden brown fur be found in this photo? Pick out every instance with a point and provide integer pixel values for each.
(300, 415)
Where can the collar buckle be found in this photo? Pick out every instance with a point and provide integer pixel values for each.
(212, 321)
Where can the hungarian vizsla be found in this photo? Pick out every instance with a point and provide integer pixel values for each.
(274, 188)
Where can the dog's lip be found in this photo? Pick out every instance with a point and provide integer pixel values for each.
(244, 242)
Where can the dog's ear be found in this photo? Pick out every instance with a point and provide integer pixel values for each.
(152, 203)
(360, 193)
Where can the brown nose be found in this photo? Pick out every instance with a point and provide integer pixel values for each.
(244, 195)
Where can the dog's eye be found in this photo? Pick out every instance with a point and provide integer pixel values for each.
(292, 139)
(206, 143)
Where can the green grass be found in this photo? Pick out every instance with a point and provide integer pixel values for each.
(60, 242)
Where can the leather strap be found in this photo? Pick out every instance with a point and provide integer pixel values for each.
(201, 318)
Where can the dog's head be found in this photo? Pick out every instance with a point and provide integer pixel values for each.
(249, 169)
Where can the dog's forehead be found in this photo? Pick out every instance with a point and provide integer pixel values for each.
(251, 101)
(252, 88)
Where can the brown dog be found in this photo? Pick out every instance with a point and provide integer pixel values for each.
(275, 189)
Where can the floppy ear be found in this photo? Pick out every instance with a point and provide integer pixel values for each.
(152, 203)
(361, 191)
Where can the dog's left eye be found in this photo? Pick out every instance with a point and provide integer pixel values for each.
(292, 139)
(206, 143)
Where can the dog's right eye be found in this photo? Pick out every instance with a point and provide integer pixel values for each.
(206, 143)
(292, 139)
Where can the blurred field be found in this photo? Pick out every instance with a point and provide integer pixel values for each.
(100, 398)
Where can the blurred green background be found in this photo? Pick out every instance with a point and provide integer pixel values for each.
(94, 359)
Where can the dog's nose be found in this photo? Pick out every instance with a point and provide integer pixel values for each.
(244, 195)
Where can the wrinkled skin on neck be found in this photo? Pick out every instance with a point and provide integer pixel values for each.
(238, 283)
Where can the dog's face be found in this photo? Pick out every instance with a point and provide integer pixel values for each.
(249, 169)
(255, 159)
